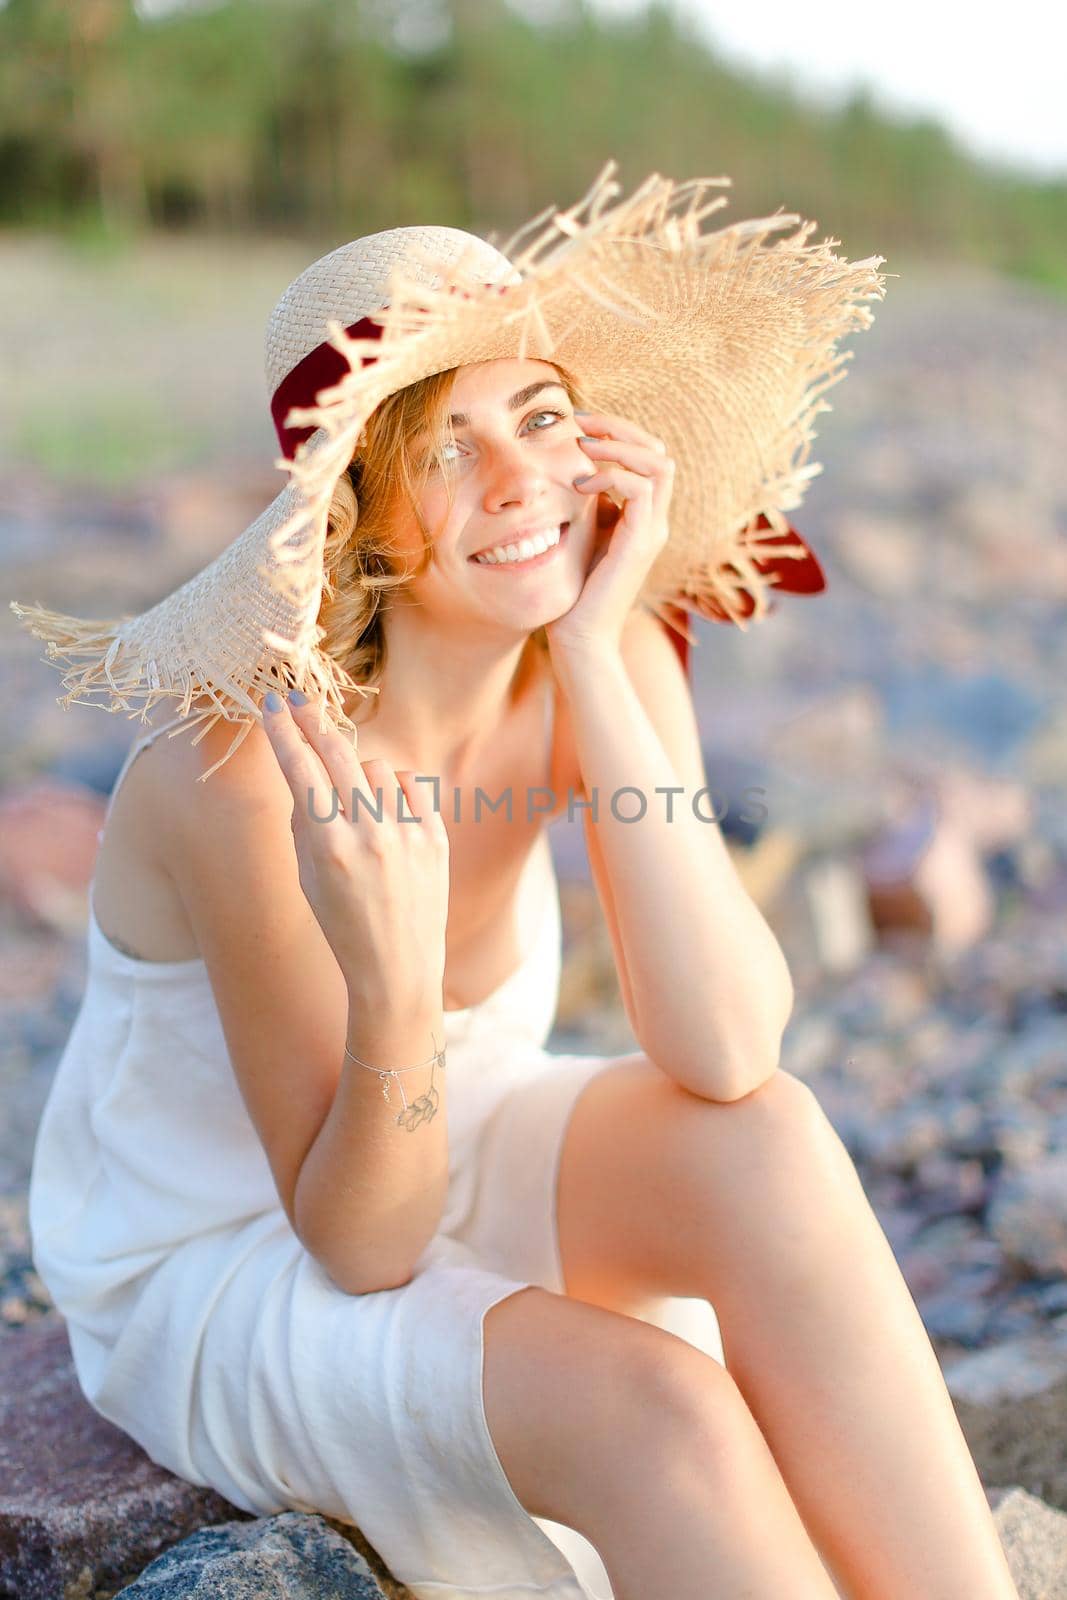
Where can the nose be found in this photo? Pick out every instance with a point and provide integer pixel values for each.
(512, 476)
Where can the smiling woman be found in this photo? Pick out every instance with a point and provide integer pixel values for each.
(330, 1225)
(404, 443)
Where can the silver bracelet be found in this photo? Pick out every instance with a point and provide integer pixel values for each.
(424, 1109)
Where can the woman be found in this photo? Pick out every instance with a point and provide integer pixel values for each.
(405, 1321)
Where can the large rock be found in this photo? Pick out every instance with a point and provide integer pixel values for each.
(84, 1511)
(1034, 1537)
(1018, 1439)
(82, 1507)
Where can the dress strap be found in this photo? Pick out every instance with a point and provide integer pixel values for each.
(131, 756)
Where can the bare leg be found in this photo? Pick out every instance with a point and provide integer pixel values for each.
(827, 1346)
(709, 1521)
(646, 1447)
(757, 1206)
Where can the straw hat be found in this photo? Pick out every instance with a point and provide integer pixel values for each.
(719, 342)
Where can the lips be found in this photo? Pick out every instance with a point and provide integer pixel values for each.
(532, 561)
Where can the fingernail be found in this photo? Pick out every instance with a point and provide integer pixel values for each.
(273, 701)
(586, 438)
(295, 698)
(586, 479)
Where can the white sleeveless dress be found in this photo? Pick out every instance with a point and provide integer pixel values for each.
(201, 1326)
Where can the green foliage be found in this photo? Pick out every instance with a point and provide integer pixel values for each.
(328, 118)
(107, 442)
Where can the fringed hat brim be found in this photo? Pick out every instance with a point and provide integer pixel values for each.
(723, 343)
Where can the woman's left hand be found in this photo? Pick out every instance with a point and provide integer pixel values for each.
(637, 467)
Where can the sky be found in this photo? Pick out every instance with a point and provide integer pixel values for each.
(994, 76)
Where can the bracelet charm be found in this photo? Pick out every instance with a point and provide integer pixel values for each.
(425, 1108)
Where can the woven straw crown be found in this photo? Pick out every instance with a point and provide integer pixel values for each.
(718, 342)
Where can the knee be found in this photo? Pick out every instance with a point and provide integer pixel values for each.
(786, 1103)
(679, 1397)
(784, 1115)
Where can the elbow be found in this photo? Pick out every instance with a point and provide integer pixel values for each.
(359, 1264)
(376, 1283)
(759, 1059)
(355, 1271)
(727, 1077)
(718, 1068)
(756, 1064)
(365, 1275)
(746, 1083)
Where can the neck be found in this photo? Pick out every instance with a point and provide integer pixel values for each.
(442, 695)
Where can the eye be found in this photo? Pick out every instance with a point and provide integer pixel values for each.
(557, 416)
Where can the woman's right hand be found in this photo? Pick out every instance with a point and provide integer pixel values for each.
(379, 889)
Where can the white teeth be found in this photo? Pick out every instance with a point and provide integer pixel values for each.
(522, 551)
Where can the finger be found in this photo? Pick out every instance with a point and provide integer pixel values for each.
(608, 423)
(626, 488)
(638, 453)
(630, 485)
(388, 791)
(301, 767)
(385, 793)
(420, 798)
(339, 755)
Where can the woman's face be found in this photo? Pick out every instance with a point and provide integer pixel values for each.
(511, 468)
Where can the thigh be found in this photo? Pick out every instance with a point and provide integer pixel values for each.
(580, 1400)
(509, 1220)
(648, 1171)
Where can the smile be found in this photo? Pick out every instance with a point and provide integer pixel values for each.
(527, 553)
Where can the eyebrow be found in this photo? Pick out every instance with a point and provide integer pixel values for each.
(460, 419)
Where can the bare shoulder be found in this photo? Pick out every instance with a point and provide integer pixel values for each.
(186, 797)
(167, 829)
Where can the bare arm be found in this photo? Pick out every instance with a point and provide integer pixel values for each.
(363, 1195)
(705, 983)
(367, 1179)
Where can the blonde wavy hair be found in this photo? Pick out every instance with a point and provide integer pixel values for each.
(361, 562)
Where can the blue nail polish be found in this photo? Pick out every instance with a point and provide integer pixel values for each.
(273, 701)
(587, 438)
(588, 477)
(295, 698)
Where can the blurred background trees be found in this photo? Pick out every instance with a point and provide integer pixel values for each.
(325, 119)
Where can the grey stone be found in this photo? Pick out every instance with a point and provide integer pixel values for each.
(950, 1185)
(1028, 1214)
(291, 1556)
(1052, 1297)
(1026, 1365)
(899, 1141)
(955, 1316)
